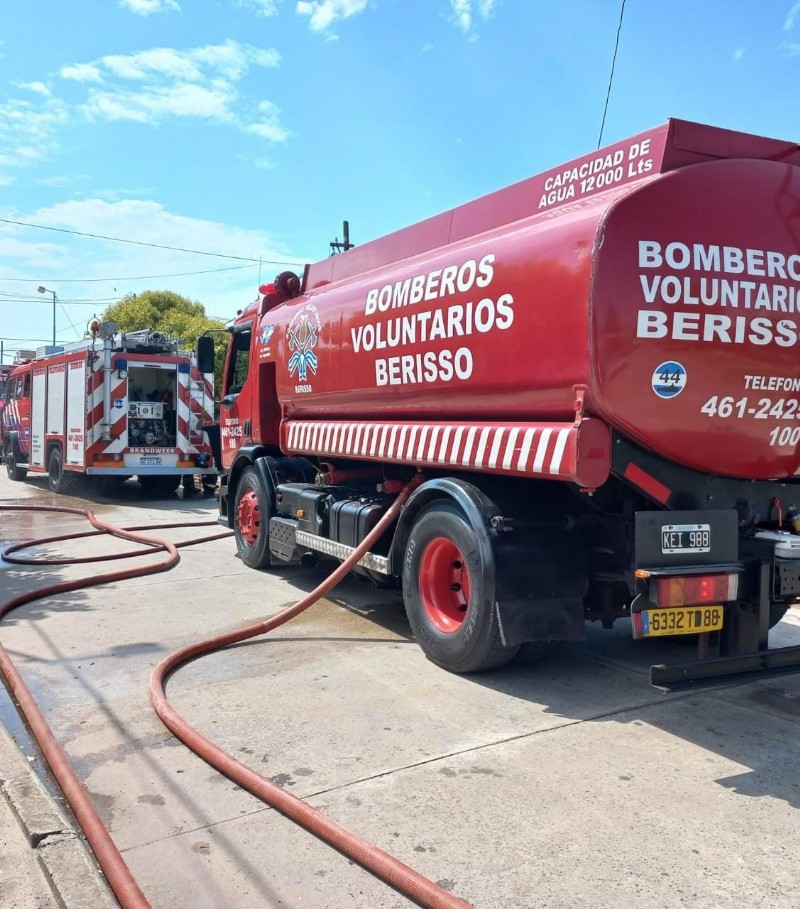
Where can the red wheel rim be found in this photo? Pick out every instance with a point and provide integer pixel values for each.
(444, 584)
(248, 516)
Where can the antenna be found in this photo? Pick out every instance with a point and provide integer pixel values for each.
(345, 244)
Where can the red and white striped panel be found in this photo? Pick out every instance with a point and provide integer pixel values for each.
(184, 412)
(202, 389)
(118, 417)
(95, 404)
(561, 451)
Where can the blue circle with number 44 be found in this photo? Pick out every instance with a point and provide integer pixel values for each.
(669, 379)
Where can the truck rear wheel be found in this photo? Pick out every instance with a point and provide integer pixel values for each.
(251, 520)
(64, 482)
(445, 587)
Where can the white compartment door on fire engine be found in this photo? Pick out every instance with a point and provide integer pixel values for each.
(55, 399)
(76, 412)
(38, 400)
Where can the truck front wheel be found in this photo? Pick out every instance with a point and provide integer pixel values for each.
(251, 520)
(446, 584)
(14, 471)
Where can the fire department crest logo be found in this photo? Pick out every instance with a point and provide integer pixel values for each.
(303, 337)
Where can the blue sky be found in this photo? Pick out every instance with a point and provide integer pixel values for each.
(252, 128)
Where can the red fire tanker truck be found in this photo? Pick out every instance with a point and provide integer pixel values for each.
(593, 376)
(108, 408)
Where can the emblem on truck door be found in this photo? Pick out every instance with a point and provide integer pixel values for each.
(303, 335)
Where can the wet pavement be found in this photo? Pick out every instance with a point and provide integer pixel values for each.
(568, 784)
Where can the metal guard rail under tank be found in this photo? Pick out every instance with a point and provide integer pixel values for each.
(578, 452)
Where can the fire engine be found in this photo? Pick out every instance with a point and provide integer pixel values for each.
(592, 378)
(112, 406)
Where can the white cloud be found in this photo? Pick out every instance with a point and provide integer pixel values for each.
(791, 17)
(148, 7)
(262, 7)
(28, 130)
(147, 87)
(47, 257)
(38, 88)
(201, 83)
(465, 12)
(268, 127)
(81, 72)
(155, 104)
(323, 13)
(738, 54)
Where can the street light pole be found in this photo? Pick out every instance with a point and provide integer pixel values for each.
(44, 290)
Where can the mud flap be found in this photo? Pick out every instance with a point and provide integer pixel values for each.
(540, 620)
(541, 584)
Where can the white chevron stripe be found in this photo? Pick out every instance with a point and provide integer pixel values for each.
(558, 454)
(466, 460)
(526, 448)
(512, 441)
(443, 447)
(538, 461)
(478, 459)
(495, 452)
(432, 446)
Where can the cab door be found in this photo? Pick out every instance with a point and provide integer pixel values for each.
(238, 394)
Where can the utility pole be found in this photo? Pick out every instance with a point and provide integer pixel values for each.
(345, 244)
(44, 290)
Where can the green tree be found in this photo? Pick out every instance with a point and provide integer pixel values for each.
(163, 310)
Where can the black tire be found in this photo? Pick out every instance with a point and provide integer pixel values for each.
(62, 482)
(14, 471)
(251, 520)
(447, 593)
(778, 609)
(158, 486)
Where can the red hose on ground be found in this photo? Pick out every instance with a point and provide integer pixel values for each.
(108, 857)
(411, 883)
(386, 867)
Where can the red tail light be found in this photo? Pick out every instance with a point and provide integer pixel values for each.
(695, 589)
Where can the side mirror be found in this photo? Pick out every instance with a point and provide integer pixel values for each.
(205, 354)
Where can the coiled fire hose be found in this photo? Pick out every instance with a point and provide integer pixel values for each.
(386, 867)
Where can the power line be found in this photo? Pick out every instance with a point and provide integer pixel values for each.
(179, 274)
(611, 76)
(79, 301)
(196, 252)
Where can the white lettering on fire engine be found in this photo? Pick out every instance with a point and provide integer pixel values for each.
(478, 315)
(441, 282)
(695, 284)
(588, 176)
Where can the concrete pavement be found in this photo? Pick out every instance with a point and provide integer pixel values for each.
(569, 784)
